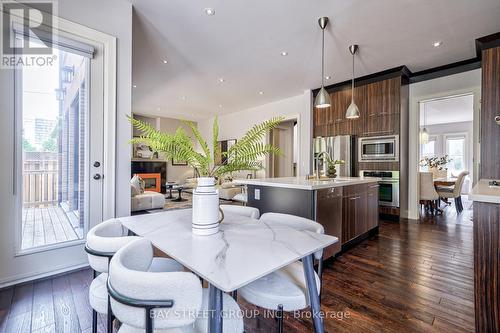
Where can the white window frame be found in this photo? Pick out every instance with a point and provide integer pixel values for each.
(106, 44)
(457, 135)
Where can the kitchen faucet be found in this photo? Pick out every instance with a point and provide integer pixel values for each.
(317, 158)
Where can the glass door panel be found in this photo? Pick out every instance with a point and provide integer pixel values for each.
(54, 150)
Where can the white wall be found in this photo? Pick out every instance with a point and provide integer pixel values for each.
(235, 125)
(462, 83)
(95, 14)
(441, 130)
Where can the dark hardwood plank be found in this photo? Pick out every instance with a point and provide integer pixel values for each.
(19, 319)
(66, 318)
(5, 305)
(43, 306)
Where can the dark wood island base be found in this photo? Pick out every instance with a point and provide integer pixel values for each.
(487, 266)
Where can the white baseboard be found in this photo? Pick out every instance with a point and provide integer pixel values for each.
(13, 280)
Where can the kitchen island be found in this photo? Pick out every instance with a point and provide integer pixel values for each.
(347, 207)
(486, 197)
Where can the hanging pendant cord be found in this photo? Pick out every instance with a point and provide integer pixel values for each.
(323, 59)
(425, 115)
(352, 95)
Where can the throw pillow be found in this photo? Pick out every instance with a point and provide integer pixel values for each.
(136, 183)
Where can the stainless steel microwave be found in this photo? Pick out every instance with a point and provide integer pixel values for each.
(378, 148)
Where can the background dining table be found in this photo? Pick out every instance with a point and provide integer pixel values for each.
(243, 251)
(445, 181)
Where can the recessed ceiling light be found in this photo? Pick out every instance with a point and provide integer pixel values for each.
(221, 79)
(284, 53)
(261, 93)
(165, 61)
(437, 44)
(328, 77)
(135, 86)
(220, 106)
(210, 11)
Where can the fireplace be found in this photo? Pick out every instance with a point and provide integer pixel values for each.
(152, 181)
(151, 167)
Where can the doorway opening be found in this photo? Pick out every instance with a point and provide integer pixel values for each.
(446, 153)
(284, 136)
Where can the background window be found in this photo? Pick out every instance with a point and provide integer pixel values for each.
(455, 149)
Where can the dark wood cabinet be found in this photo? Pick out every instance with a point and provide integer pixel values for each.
(329, 214)
(383, 102)
(490, 108)
(372, 206)
(360, 210)
(379, 106)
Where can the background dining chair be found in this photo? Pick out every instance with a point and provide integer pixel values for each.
(168, 301)
(428, 194)
(250, 212)
(454, 191)
(285, 289)
(103, 241)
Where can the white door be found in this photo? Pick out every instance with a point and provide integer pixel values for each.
(59, 154)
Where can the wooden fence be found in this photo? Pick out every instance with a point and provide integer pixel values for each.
(40, 182)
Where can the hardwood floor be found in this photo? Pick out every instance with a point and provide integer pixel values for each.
(412, 277)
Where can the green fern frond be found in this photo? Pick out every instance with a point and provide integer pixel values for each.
(246, 154)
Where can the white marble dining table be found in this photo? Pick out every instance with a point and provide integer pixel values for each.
(243, 251)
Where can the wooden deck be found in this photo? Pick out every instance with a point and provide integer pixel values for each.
(48, 225)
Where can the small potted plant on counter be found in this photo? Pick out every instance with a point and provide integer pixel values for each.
(331, 170)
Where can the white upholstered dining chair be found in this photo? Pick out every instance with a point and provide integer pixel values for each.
(166, 302)
(428, 194)
(250, 212)
(454, 192)
(285, 289)
(103, 241)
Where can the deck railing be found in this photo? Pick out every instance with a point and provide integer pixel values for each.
(40, 182)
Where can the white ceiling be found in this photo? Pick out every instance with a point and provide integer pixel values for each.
(243, 40)
(448, 110)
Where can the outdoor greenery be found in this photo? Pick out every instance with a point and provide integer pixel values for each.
(245, 154)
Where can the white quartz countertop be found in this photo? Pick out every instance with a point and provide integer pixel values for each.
(307, 184)
(485, 193)
(243, 251)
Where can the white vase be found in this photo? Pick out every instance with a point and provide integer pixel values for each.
(205, 219)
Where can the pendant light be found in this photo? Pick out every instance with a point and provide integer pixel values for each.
(352, 111)
(424, 135)
(322, 98)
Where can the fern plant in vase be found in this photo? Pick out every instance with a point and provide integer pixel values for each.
(246, 154)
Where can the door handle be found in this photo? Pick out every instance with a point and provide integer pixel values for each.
(97, 176)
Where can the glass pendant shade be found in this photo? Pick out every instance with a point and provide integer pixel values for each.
(424, 136)
(352, 111)
(322, 99)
